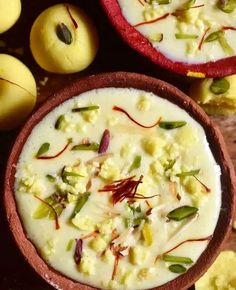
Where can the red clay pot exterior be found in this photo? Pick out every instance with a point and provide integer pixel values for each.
(164, 90)
(137, 41)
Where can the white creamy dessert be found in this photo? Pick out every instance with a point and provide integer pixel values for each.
(118, 189)
(192, 31)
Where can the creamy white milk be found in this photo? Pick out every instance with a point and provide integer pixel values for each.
(196, 21)
(186, 146)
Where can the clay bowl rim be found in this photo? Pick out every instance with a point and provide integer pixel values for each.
(158, 87)
(220, 68)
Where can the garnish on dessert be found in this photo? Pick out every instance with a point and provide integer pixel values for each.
(71, 17)
(45, 147)
(125, 189)
(136, 163)
(105, 141)
(86, 147)
(177, 268)
(51, 207)
(78, 251)
(182, 212)
(80, 203)
(119, 109)
(85, 109)
(64, 34)
(177, 259)
(219, 86)
(169, 125)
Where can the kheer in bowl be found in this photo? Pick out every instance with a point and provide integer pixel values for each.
(119, 181)
(191, 37)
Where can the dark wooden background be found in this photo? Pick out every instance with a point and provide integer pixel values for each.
(113, 55)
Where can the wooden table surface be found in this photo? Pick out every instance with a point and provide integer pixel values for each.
(113, 55)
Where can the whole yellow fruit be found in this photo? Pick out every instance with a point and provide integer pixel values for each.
(9, 13)
(17, 92)
(63, 39)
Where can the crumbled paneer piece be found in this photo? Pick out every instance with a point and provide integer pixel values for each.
(72, 197)
(192, 186)
(127, 150)
(146, 187)
(153, 145)
(80, 127)
(182, 27)
(109, 170)
(108, 257)
(152, 11)
(30, 184)
(197, 191)
(91, 116)
(189, 16)
(192, 48)
(156, 168)
(143, 104)
(87, 265)
(105, 227)
(78, 187)
(173, 150)
(113, 285)
(144, 273)
(125, 277)
(81, 169)
(75, 175)
(48, 249)
(187, 136)
(137, 255)
(84, 223)
(98, 244)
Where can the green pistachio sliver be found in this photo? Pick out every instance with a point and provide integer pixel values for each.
(219, 86)
(189, 4)
(69, 245)
(136, 163)
(225, 46)
(176, 268)
(66, 174)
(169, 125)
(185, 36)
(43, 149)
(134, 209)
(63, 33)
(188, 173)
(80, 203)
(214, 36)
(84, 109)
(50, 178)
(182, 212)
(163, 2)
(177, 259)
(90, 147)
(170, 165)
(227, 6)
(59, 121)
(134, 222)
(57, 201)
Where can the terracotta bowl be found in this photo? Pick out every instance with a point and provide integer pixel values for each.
(164, 90)
(138, 42)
